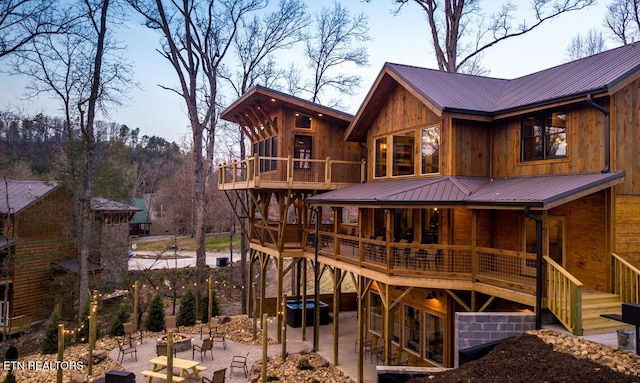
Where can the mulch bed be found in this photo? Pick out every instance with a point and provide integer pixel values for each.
(528, 359)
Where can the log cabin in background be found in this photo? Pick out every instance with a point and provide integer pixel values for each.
(518, 198)
(39, 252)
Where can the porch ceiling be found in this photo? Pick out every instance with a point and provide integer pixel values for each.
(542, 192)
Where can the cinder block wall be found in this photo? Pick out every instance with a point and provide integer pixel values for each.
(475, 329)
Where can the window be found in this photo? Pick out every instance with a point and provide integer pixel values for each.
(403, 224)
(381, 157)
(375, 314)
(302, 150)
(433, 338)
(430, 150)
(544, 136)
(430, 223)
(403, 160)
(302, 121)
(412, 329)
(267, 148)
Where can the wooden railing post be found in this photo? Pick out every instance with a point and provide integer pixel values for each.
(256, 170)
(327, 171)
(289, 170)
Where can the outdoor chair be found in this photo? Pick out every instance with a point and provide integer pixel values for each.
(126, 349)
(218, 376)
(220, 338)
(207, 345)
(130, 333)
(370, 346)
(214, 322)
(239, 361)
(161, 349)
(170, 324)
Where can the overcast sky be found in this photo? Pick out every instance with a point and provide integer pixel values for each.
(400, 39)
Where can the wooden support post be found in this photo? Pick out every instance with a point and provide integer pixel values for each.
(336, 313)
(210, 305)
(283, 310)
(265, 343)
(60, 352)
(136, 297)
(279, 293)
(388, 325)
(170, 356)
(304, 299)
(93, 314)
(361, 337)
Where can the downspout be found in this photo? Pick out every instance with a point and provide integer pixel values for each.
(538, 265)
(607, 133)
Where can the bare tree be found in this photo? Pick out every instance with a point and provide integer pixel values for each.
(460, 31)
(591, 43)
(22, 21)
(331, 46)
(81, 69)
(197, 36)
(623, 20)
(255, 44)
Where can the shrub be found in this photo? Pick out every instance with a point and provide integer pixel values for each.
(122, 315)
(82, 332)
(10, 378)
(49, 340)
(187, 311)
(155, 314)
(12, 353)
(303, 364)
(204, 307)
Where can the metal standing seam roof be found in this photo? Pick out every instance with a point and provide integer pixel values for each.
(103, 204)
(536, 191)
(16, 195)
(462, 92)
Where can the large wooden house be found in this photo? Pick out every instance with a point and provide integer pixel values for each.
(480, 195)
(38, 250)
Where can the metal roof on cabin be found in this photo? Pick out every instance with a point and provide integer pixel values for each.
(141, 216)
(533, 190)
(16, 195)
(479, 94)
(103, 204)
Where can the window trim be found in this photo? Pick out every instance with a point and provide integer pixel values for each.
(384, 163)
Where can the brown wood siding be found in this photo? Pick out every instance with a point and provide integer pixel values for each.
(33, 293)
(472, 148)
(585, 146)
(48, 217)
(586, 249)
(627, 228)
(402, 112)
(625, 121)
(461, 227)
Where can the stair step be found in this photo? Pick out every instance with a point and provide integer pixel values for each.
(591, 329)
(604, 308)
(593, 298)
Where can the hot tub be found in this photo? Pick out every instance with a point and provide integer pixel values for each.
(294, 313)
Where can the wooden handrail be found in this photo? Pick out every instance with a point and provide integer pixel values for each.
(564, 296)
(626, 279)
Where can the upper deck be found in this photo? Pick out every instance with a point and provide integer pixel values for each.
(290, 173)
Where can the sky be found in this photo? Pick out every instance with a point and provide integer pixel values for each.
(402, 39)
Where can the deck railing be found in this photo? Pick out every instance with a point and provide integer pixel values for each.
(491, 266)
(564, 296)
(284, 172)
(626, 280)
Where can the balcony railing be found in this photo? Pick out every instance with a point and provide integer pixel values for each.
(626, 280)
(289, 172)
(496, 267)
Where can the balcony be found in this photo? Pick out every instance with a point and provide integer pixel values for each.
(284, 173)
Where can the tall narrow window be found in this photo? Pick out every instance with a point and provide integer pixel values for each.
(274, 150)
(430, 150)
(430, 225)
(302, 151)
(381, 157)
(411, 336)
(544, 136)
(403, 224)
(434, 338)
(375, 314)
(403, 159)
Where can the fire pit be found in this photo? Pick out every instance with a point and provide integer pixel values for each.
(181, 342)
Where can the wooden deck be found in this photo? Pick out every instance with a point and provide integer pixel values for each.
(289, 172)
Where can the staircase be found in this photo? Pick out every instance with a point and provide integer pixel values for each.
(595, 303)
